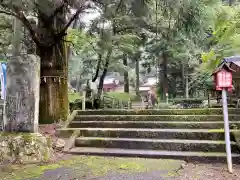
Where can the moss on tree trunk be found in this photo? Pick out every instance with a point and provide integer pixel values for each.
(54, 85)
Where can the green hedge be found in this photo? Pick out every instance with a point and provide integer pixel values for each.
(170, 118)
(188, 101)
(77, 105)
(159, 112)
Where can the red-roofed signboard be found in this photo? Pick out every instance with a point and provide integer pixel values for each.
(223, 80)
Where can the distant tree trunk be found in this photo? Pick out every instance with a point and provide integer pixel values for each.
(137, 75)
(69, 51)
(69, 48)
(231, 2)
(126, 79)
(186, 85)
(54, 103)
(183, 78)
(78, 83)
(101, 81)
(104, 73)
(164, 79)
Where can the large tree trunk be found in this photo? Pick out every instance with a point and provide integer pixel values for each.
(54, 85)
(126, 79)
(54, 105)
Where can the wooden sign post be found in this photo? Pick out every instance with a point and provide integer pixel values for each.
(223, 82)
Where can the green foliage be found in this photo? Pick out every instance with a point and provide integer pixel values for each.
(73, 96)
(188, 101)
(5, 32)
(225, 36)
(181, 32)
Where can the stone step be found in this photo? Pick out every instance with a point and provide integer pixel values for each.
(191, 134)
(204, 111)
(152, 124)
(154, 118)
(188, 156)
(155, 144)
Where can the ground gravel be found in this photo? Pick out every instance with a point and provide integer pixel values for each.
(188, 172)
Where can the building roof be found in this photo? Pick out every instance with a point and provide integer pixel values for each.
(226, 62)
(232, 59)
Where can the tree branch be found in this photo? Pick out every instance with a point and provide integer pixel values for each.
(8, 13)
(58, 9)
(28, 25)
(98, 68)
(62, 33)
(118, 6)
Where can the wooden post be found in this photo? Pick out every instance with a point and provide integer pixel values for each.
(113, 103)
(226, 130)
(121, 104)
(143, 104)
(84, 101)
(208, 94)
(129, 103)
(167, 98)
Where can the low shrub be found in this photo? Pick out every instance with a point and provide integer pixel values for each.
(77, 105)
(188, 103)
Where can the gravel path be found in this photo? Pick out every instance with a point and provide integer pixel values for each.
(69, 174)
(190, 172)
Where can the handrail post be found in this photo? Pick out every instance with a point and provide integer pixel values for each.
(113, 103)
(121, 104)
(143, 104)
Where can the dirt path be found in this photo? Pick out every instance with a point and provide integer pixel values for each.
(208, 172)
(110, 168)
(189, 172)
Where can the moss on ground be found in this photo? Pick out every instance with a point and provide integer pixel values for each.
(91, 165)
(117, 95)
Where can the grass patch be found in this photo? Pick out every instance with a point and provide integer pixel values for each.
(92, 166)
(121, 96)
(73, 96)
(117, 95)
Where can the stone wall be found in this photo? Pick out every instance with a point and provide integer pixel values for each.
(22, 94)
(24, 147)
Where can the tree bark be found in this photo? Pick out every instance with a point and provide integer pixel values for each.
(126, 79)
(101, 81)
(104, 73)
(54, 105)
(54, 85)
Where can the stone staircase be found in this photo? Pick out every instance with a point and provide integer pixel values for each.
(190, 134)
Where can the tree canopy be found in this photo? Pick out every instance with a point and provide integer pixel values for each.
(180, 42)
